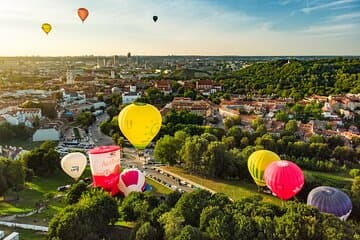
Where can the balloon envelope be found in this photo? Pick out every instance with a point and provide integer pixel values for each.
(140, 122)
(105, 167)
(257, 163)
(155, 18)
(83, 13)
(330, 200)
(46, 27)
(132, 180)
(284, 178)
(74, 164)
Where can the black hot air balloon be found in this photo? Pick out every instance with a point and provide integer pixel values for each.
(155, 18)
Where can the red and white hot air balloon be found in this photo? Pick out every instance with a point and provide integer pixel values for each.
(131, 180)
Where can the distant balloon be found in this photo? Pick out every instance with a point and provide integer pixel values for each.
(46, 27)
(83, 13)
(155, 18)
(330, 200)
(132, 180)
(140, 122)
(105, 167)
(284, 178)
(257, 163)
(74, 164)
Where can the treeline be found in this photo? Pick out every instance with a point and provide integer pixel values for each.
(42, 161)
(198, 215)
(295, 79)
(9, 132)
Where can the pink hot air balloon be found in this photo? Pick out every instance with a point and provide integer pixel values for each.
(105, 167)
(132, 180)
(284, 178)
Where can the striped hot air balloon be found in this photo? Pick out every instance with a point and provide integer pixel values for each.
(284, 178)
(257, 163)
(330, 200)
(131, 180)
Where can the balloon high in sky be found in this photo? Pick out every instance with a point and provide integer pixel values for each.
(257, 163)
(83, 13)
(140, 123)
(155, 18)
(74, 164)
(46, 27)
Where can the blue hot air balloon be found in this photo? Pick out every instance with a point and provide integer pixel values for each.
(330, 200)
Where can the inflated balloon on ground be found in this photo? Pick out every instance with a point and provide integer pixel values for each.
(330, 200)
(74, 164)
(105, 167)
(140, 123)
(132, 180)
(284, 178)
(257, 163)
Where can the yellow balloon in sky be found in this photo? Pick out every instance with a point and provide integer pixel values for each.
(257, 163)
(74, 164)
(140, 123)
(46, 27)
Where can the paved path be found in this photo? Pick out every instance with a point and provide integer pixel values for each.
(24, 226)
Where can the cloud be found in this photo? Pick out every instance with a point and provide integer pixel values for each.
(327, 30)
(324, 5)
(349, 16)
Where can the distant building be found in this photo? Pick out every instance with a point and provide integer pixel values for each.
(164, 86)
(50, 134)
(201, 107)
(129, 97)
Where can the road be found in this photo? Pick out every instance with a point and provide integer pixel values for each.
(96, 136)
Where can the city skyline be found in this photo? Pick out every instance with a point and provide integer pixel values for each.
(199, 27)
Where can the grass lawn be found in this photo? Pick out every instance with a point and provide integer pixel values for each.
(234, 189)
(157, 188)
(339, 180)
(25, 234)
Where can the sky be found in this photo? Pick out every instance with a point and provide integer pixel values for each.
(184, 27)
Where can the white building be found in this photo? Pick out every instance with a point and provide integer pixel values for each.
(129, 97)
(112, 74)
(49, 134)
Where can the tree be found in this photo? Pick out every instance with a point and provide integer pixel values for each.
(190, 233)
(172, 223)
(166, 150)
(355, 187)
(75, 192)
(85, 119)
(282, 116)
(87, 219)
(232, 121)
(291, 127)
(215, 159)
(146, 232)
(12, 175)
(344, 154)
(192, 151)
(43, 161)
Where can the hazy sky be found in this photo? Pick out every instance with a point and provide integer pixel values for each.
(197, 27)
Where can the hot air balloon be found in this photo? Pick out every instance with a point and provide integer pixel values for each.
(140, 122)
(74, 164)
(83, 13)
(330, 200)
(155, 18)
(105, 167)
(284, 178)
(46, 27)
(131, 180)
(257, 163)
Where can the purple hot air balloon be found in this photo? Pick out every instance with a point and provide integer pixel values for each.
(330, 200)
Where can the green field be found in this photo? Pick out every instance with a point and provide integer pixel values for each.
(234, 189)
(158, 188)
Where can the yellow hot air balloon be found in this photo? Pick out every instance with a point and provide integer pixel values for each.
(46, 27)
(257, 163)
(74, 164)
(140, 122)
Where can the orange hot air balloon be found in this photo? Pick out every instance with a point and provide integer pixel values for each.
(83, 13)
